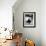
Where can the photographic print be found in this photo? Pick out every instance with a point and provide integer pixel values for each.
(29, 19)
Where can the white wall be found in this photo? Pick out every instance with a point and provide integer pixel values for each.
(43, 22)
(38, 33)
(35, 34)
(6, 13)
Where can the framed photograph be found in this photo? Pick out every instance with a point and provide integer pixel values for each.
(29, 19)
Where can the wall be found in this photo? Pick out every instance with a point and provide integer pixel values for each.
(6, 13)
(35, 34)
(43, 22)
(31, 5)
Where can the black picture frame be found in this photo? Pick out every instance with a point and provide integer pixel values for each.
(29, 19)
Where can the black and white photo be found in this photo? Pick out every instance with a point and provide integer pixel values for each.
(29, 19)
